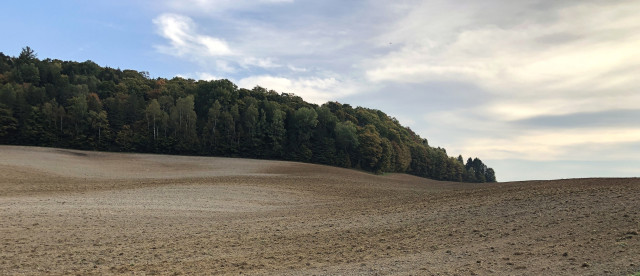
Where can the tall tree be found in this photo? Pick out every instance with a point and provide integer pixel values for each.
(212, 125)
(370, 148)
(303, 121)
(8, 124)
(98, 122)
(184, 120)
(78, 109)
(276, 133)
(27, 55)
(155, 118)
(250, 120)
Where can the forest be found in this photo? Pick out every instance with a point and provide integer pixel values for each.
(82, 105)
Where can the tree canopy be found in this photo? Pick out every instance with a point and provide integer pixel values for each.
(85, 106)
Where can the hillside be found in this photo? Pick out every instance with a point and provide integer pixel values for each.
(81, 105)
(95, 213)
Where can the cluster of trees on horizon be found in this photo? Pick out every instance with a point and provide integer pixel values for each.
(82, 105)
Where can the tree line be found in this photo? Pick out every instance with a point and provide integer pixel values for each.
(82, 105)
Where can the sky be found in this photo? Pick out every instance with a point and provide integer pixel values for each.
(537, 89)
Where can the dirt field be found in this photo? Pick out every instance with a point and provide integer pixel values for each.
(74, 212)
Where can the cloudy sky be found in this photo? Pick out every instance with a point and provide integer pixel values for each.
(536, 89)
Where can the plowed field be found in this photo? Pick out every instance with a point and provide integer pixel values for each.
(77, 212)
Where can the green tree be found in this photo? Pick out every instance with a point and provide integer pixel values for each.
(124, 139)
(276, 133)
(346, 142)
(8, 124)
(30, 73)
(490, 175)
(8, 95)
(54, 115)
(235, 114)
(250, 120)
(227, 131)
(27, 55)
(155, 118)
(98, 122)
(49, 109)
(184, 119)
(402, 156)
(303, 121)
(419, 160)
(370, 148)
(93, 102)
(323, 139)
(385, 162)
(78, 109)
(212, 125)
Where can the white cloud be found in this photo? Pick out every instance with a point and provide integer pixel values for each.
(259, 62)
(314, 90)
(209, 6)
(184, 39)
(580, 61)
(557, 145)
(296, 69)
(200, 76)
(206, 76)
(564, 58)
(471, 133)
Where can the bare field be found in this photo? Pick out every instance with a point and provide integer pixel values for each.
(77, 212)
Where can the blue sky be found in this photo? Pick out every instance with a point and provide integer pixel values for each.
(536, 89)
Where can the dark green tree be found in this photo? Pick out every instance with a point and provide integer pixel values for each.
(303, 122)
(370, 149)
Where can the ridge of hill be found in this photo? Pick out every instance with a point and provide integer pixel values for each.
(82, 105)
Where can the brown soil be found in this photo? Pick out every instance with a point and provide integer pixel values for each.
(75, 212)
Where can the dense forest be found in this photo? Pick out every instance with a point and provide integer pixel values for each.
(82, 105)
